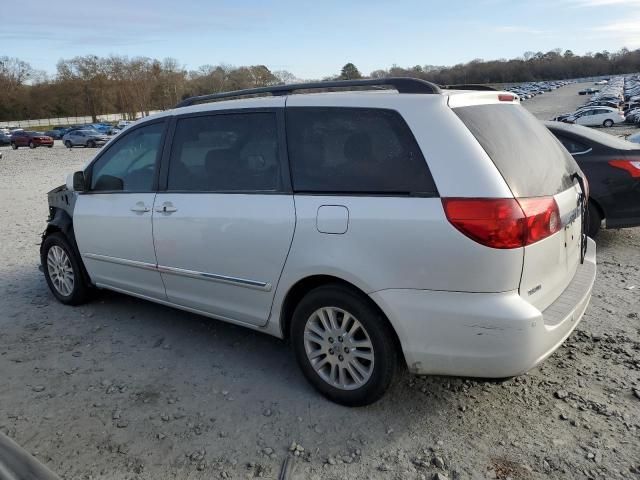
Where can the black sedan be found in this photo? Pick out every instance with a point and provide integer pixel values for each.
(612, 167)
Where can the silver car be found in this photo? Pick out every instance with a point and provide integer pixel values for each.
(84, 138)
(441, 227)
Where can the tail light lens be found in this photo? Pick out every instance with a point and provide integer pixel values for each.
(631, 166)
(504, 222)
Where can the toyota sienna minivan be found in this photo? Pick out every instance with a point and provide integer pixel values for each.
(390, 221)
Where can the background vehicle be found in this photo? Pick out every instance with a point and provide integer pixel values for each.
(57, 132)
(588, 91)
(595, 117)
(84, 138)
(635, 138)
(612, 166)
(27, 138)
(218, 221)
(5, 138)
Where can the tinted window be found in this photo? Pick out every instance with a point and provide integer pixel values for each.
(354, 150)
(129, 164)
(227, 152)
(572, 145)
(530, 159)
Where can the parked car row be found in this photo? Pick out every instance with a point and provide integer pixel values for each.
(104, 128)
(526, 91)
(91, 135)
(632, 99)
(602, 110)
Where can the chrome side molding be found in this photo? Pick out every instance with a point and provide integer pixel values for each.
(242, 282)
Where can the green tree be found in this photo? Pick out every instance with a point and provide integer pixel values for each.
(350, 72)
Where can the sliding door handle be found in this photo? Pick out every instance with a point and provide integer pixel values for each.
(140, 207)
(166, 207)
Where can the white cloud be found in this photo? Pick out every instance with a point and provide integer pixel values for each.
(629, 26)
(625, 33)
(518, 29)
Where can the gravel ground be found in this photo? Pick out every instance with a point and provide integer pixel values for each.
(125, 389)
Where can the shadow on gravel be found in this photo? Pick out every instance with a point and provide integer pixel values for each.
(219, 385)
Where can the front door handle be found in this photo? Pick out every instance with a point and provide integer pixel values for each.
(140, 207)
(166, 207)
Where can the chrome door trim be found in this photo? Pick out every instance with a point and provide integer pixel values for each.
(121, 261)
(242, 282)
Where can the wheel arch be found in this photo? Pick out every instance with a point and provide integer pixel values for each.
(304, 285)
(598, 206)
(61, 222)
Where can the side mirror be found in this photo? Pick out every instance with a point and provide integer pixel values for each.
(76, 182)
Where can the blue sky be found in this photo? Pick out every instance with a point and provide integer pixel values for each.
(314, 39)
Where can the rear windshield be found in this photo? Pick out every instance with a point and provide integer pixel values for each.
(531, 160)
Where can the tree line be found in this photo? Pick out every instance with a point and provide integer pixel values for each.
(91, 85)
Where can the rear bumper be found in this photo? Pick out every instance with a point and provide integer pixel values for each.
(490, 335)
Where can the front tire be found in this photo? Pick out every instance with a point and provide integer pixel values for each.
(14, 146)
(68, 144)
(32, 145)
(91, 144)
(607, 123)
(343, 345)
(63, 271)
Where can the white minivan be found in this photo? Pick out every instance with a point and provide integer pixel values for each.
(438, 228)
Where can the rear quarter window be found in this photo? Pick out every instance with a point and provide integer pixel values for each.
(355, 150)
(531, 160)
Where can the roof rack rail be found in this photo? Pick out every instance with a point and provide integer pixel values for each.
(468, 86)
(401, 84)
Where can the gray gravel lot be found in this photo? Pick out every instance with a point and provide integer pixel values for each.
(121, 388)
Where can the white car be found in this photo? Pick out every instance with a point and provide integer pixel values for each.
(597, 116)
(443, 227)
(635, 138)
(601, 82)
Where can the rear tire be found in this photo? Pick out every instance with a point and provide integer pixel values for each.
(344, 345)
(595, 219)
(14, 146)
(68, 144)
(91, 144)
(63, 271)
(607, 123)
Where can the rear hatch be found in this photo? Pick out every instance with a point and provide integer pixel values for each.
(539, 171)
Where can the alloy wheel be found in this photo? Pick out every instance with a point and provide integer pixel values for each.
(60, 270)
(338, 348)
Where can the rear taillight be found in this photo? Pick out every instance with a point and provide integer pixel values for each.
(542, 218)
(504, 222)
(631, 166)
(506, 97)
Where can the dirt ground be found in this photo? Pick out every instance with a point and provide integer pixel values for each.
(125, 389)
